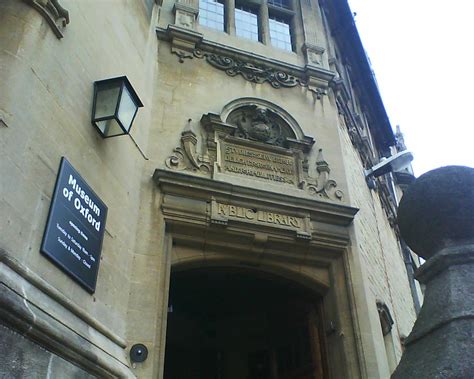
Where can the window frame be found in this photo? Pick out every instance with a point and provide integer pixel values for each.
(265, 11)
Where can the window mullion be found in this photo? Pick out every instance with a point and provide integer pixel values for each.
(230, 17)
(264, 28)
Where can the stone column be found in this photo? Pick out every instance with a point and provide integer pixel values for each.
(264, 23)
(229, 15)
(436, 219)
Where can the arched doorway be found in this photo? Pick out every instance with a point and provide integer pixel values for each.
(231, 323)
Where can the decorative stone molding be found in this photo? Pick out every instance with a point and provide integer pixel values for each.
(256, 145)
(56, 16)
(185, 157)
(187, 43)
(251, 72)
(186, 12)
(192, 204)
(183, 41)
(313, 54)
(322, 186)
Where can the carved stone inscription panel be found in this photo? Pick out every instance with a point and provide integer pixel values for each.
(259, 164)
(221, 213)
(248, 214)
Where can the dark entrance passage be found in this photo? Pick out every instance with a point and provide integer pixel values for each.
(226, 324)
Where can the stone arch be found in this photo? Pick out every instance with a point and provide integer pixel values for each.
(270, 269)
(235, 316)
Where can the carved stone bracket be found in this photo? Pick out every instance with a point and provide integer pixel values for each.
(254, 145)
(313, 54)
(183, 40)
(56, 16)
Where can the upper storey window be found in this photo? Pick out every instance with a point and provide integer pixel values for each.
(280, 3)
(268, 21)
(246, 23)
(280, 33)
(211, 14)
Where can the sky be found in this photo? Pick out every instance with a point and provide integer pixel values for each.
(422, 53)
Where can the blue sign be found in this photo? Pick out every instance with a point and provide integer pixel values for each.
(75, 228)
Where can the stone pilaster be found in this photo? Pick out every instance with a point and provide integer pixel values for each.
(186, 12)
(313, 46)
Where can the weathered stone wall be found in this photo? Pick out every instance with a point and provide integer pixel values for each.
(45, 106)
(382, 266)
(28, 360)
(187, 91)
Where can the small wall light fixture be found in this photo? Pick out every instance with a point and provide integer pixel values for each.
(394, 163)
(115, 106)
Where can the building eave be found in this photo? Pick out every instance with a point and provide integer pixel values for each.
(345, 32)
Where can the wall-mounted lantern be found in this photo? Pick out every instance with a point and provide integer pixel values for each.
(115, 106)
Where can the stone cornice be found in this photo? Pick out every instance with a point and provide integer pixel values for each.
(253, 67)
(204, 188)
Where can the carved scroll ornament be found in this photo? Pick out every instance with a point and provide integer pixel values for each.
(257, 73)
(251, 72)
(323, 186)
(185, 157)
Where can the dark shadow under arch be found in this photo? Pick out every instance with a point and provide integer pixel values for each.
(232, 322)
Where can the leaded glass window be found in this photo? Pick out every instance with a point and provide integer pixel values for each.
(252, 19)
(246, 23)
(280, 3)
(280, 34)
(211, 14)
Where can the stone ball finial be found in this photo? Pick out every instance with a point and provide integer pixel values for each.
(437, 210)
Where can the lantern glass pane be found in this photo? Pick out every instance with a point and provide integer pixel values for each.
(127, 109)
(106, 101)
(110, 127)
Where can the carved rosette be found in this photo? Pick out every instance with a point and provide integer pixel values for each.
(254, 143)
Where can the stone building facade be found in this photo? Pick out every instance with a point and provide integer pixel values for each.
(242, 239)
